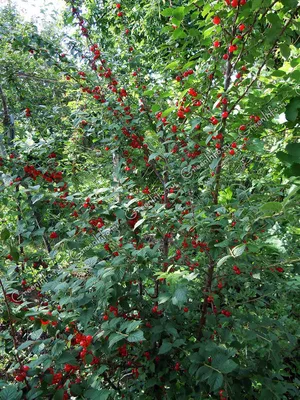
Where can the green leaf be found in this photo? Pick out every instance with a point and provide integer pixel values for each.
(94, 394)
(286, 158)
(37, 197)
(209, 32)
(5, 234)
(167, 12)
(165, 347)
(173, 65)
(180, 296)
(285, 50)
(136, 336)
(59, 394)
(138, 223)
(228, 366)
(179, 34)
(178, 13)
(223, 260)
(168, 111)
(14, 253)
(203, 373)
(76, 389)
(115, 338)
(36, 334)
(35, 394)
(26, 344)
(293, 149)
(155, 108)
(238, 250)
(292, 109)
(132, 326)
(10, 393)
(271, 207)
(273, 19)
(215, 381)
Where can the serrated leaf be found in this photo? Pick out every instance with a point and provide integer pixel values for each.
(215, 381)
(180, 296)
(136, 336)
(132, 326)
(35, 394)
(115, 338)
(10, 393)
(228, 366)
(203, 373)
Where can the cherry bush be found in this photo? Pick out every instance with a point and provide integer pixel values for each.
(149, 164)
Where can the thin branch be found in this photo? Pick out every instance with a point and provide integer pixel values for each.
(265, 61)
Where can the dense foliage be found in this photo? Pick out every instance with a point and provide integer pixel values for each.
(149, 201)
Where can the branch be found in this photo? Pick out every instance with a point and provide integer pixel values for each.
(12, 330)
(265, 60)
(39, 78)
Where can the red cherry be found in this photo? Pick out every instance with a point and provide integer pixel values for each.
(118, 5)
(192, 92)
(243, 127)
(225, 114)
(185, 309)
(217, 43)
(53, 235)
(234, 145)
(242, 27)
(216, 20)
(225, 56)
(180, 114)
(21, 377)
(232, 152)
(177, 366)
(105, 317)
(234, 3)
